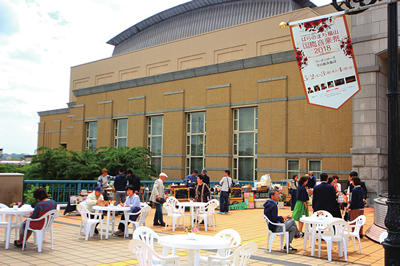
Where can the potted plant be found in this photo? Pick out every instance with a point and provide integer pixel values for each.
(282, 199)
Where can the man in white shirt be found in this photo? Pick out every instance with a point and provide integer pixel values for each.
(92, 200)
(132, 201)
(226, 183)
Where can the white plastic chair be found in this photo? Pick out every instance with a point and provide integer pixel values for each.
(144, 211)
(39, 233)
(273, 234)
(88, 223)
(308, 231)
(233, 237)
(239, 258)
(175, 216)
(215, 215)
(356, 224)
(4, 223)
(148, 236)
(207, 214)
(143, 251)
(334, 232)
(383, 236)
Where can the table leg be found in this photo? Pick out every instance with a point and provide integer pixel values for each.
(8, 231)
(126, 232)
(306, 228)
(197, 257)
(314, 229)
(164, 254)
(191, 215)
(108, 224)
(191, 257)
(112, 221)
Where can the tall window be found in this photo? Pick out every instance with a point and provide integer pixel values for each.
(195, 141)
(245, 138)
(121, 133)
(154, 140)
(293, 168)
(91, 136)
(315, 167)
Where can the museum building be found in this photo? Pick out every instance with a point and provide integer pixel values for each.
(207, 84)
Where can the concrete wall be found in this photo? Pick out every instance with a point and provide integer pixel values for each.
(12, 187)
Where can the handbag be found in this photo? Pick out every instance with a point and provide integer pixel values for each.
(161, 200)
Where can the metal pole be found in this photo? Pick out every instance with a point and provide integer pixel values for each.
(392, 220)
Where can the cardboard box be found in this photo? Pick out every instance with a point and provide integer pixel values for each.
(259, 203)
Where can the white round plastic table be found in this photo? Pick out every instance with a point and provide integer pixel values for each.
(315, 221)
(112, 209)
(200, 242)
(18, 216)
(192, 205)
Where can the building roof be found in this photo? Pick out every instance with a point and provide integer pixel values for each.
(198, 17)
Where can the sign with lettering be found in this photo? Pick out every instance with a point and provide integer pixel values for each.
(324, 55)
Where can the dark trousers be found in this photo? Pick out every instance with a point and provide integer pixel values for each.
(121, 225)
(158, 217)
(224, 201)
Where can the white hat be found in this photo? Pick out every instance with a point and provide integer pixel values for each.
(163, 174)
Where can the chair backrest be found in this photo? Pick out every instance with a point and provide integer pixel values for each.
(214, 201)
(170, 208)
(242, 255)
(84, 212)
(269, 222)
(322, 213)
(233, 237)
(358, 222)
(210, 208)
(2, 205)
(143, 251)
(336, 230)
(144, 211)
(3, 217)
(145, 234)
(48, 219)
(172, 200)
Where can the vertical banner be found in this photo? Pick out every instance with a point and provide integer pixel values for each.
(324, 55)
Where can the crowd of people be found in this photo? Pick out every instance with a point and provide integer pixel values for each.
(326, 195)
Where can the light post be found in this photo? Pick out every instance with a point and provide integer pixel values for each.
(392, 220)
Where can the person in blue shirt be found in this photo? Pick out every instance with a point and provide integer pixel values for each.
(271, 211)
(132, 201)
(191, 181)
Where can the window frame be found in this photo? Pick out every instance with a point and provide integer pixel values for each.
(88, 138)
(150, 136)
(188, 142)
(116, 132)
(315, 172)
(292, 172)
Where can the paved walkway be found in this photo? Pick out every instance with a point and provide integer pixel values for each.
(69, 250)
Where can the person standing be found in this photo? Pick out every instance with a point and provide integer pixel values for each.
(226, 183)
(132, 201)
(350, 186)
(202, 190)
(336, 210)
(191, 180)
(158, 197)
(133, 180)
(104, 181)
(271, 211)
(206, 178)
(324, 197)
(120, 186)
(294, 191)
(357, 201)
(301, 207)
(312, 181)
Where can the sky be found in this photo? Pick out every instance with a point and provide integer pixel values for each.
(40, 40)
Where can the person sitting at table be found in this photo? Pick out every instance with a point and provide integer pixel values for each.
(271, 211)
(324, 196)
(132, 201)
(94, 198)
(45, 204)
(301, 207)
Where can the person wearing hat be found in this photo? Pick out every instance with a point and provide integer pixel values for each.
(158, 197)
(93, 199)
(206, 178)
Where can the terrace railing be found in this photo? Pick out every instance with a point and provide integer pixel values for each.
(61, 190)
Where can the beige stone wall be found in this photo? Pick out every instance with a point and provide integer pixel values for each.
(251, 39)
